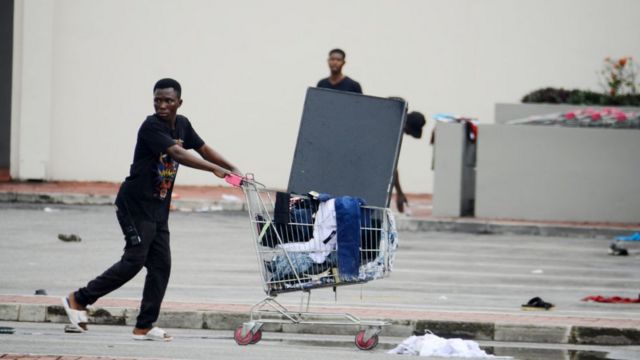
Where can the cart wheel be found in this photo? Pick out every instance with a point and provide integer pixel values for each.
(246, 340)
(366, 345)
(256, 337)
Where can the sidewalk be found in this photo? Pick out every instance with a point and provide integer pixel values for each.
(222, 198)
(55, 357)
(532, 327)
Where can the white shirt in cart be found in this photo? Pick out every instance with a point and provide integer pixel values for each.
(324, 235)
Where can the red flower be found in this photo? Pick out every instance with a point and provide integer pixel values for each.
(596, 116)
(570, 115)
(623, 61)
(621, 116)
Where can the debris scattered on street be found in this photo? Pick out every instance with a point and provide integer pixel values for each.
(537, 303)
(7, 330)
(433, 345)
(616, 250)
(41, 292)
(537, 271)
(613, 299)
(619, 246)
(69, 237)
(633, 237)
(49, 209)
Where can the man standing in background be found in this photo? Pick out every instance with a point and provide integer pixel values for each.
(337, 80)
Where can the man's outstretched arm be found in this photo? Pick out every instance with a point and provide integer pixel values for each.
(183, 157)
(213, 156)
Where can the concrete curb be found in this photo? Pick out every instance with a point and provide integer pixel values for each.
(404, 224)
(88, 199)
(488, 227)
(226, 320)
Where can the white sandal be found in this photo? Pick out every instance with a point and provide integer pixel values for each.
(78, 318)
(155, 334)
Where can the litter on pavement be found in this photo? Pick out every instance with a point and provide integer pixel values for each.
(633, 237)
(7, 330)
(537, 303)
(69, 237)
(612, 299)
(433, 345)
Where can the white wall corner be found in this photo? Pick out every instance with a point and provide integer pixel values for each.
(31, 116)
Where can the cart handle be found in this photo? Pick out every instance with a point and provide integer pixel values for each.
(233, 179)
(230, 177)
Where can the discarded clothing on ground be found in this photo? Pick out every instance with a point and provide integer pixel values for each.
(633, 237)
(623, 245)
(616, 250)
(537, 303)
(612, 299)
(432, 345)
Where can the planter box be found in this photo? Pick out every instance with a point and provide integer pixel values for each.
(558, 173)
(506, 112)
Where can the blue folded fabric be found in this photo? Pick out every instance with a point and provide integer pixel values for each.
(634, 237)
(348, 231)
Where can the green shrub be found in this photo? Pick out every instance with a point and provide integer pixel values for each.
(551, 95)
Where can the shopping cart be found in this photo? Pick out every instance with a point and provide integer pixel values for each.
(297, 249)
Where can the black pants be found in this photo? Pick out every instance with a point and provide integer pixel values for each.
(152, 252)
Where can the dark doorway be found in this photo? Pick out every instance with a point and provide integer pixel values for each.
(6, 68)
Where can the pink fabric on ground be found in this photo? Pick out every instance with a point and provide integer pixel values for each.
(612, 299)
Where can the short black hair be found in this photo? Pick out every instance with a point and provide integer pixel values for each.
(414, 124)
(167, 83)
(338, 51)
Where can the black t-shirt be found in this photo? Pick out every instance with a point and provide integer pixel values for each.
(346, 84)
(146, 192)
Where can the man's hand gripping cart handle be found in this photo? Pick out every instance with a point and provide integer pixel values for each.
(231, 178)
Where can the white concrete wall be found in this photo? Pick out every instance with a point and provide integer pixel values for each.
(85, 69)
(449, 175)
(31, 108)
(533, 172)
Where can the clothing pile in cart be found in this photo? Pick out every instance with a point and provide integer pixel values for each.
(320, 240)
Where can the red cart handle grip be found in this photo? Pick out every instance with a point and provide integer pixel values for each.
(233, 180)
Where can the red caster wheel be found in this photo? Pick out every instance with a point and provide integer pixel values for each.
(366, 345)
(246, 340)
(256, 337)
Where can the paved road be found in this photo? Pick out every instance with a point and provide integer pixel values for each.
(213, 261)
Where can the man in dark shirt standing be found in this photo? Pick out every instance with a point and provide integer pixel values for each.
(143, 210)
(337, 80)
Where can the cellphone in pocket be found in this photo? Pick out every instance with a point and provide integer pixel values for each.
(129, 230)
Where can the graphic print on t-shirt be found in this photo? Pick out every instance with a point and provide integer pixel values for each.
(167, 168)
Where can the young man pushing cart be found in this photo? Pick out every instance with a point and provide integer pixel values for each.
(143, 210)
